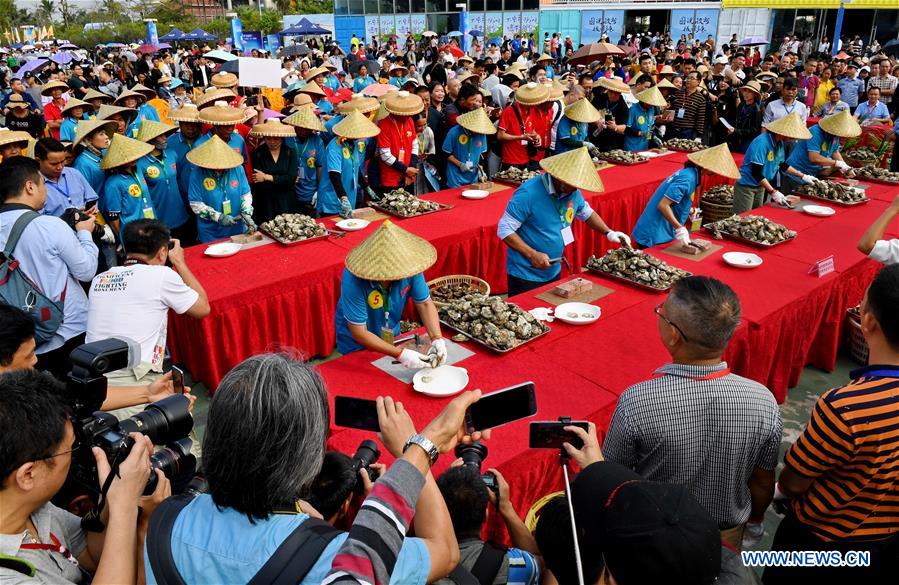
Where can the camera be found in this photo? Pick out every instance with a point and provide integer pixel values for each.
(367, 454)
(473, 455)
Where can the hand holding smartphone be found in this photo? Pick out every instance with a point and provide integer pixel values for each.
(178, 379)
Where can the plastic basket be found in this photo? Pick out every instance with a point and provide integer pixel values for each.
(478, 284)
(858, 347)
(712, 212)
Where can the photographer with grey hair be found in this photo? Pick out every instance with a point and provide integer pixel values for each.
(264, 445)
(695, 423)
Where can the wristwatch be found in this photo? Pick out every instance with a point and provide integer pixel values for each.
(426, 444)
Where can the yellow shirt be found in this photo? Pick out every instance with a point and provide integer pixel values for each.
(823, 92)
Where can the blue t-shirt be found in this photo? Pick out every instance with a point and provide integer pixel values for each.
(821, 142)
(398, 81)
(235, 141)
(129, 196)
(222, 191)
(332, 82)
(866, 112)
(67, 129)
(543, 217)
(324, 106)
(361, 83)
(652, 228)
(466, 147)
(161, 175)
(71, 190)
(310, 155)
(212, 545)
(572, 130)
(177, 148)
(640, 118)
(328, 134)
(88, 164)
(347, 159)
(765, 151)
(363, 302)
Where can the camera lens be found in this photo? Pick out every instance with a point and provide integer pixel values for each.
(472, 455)
(173, 459)
(366, 454)
(164, 421)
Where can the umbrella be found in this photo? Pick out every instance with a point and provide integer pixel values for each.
(455, 33)
(163, 46)
(27, 47)
(628, 50)
(496, 41)
(454, 49)
(219, 56)
(147, 49)
(68, 46)
(429, 33)
(378, 89)
(294, 51)
(32, 66)
(116, 45)
(62, 58)
(372, 66)
(891, 46)
(592, 52)
(752, 41)
(475, 33)
(173, 35)
(130, 56)
(230, 66)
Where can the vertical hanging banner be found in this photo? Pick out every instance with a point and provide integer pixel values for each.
(596, 23)
(511, 23)
(493, 25)
(388, 25)
(463, 28)
(418, 24)
(152, 35)
(372, 28)
(701, 23)
(250, 41)
(272, 43)
(529, 22)
(476, 22)
(706, 23)
(402, 27)
(237, 34)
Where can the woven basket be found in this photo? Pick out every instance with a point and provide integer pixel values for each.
(858, 347)
(712, 212)
(478, 284)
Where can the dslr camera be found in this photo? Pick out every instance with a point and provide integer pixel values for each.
(366, 455)
(473, 455)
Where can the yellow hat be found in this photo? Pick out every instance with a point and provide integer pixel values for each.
(790, 126)
(8, 136)
(556, 91)
(842, 125)
(93, 94)
(314, 72)
(273, 128)
(359, 102)
(614, 84)
(146, 91)
(476, 121)
(305, 118)
(224, 80)
(215, 95)
(221, 114)
(390, 253)
(107, 111)
(76, 103)
(403, 103)
(129, 94)
(123, 150)
(302, 100)
(716, 159)
(312, 88)
(532, 94)
(544, 57)
(652, 97)
(50, 86)
(753, 86)
(575, 168)
(356, 126)
(215, 154)
(17, 101)
(150, 129)
(665, 84)
(186, 113)
(582, 111)
(87, 127)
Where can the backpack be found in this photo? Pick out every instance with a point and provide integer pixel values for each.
(17, 290)
(485, 568)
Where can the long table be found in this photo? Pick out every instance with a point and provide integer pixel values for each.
(790, 319)
(274, 297)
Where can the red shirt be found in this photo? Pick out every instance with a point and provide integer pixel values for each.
(397, 134)
(534, 119)
(53, 112)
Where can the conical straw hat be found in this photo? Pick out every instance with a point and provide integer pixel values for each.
(717, 159)
(790, 126)
(8, 136)
(667, 70)
(127, 94)
(106, 112)
(49, 87)
(403, 103)
(221, 114)
(574, 167)
(225, 80)
(314, 72)
(753, 86)
(842, 125)
(86, 127)
(476, 121)
(302, 100)
(582, 111)
(17, 101)
(123, 150)
(150, 129)
(665, 84)
(215, 95)
(215, 154)
(305, 118)
(532, 94)
(555, 90)
(359, 102)
(614, 84)
(186, 113)
(356, 126)
(391, 253)
(653, 97)
(93, 94)
(76, 103)
(544, 57)
(312, 88)
(143, 89)
(273, 127)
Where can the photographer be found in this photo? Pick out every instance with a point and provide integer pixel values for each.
(466, 497)
(332, 492)
(38, 541)
(264, 445)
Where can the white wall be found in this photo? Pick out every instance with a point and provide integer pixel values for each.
(745, 22)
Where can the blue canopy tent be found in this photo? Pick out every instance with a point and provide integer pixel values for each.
(173, 35)
(198, 34)
(305, 27)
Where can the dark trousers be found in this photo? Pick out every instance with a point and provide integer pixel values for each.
(792, 535)
(56, 362)
(520, 285)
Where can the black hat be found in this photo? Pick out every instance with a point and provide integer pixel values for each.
(647, 531)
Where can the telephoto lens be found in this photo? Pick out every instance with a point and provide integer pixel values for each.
(366, 455)
(473, 455)
(163, 421)
(174, 459)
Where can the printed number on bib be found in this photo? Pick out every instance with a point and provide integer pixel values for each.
(375, 299)
(134, 190)
(209, 183)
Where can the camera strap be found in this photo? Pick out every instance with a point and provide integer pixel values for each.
(485, 569)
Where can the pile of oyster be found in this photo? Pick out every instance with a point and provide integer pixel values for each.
(831, 191)
(516, 174)
(755, 228)
(622, 157)
(637, 267)
(491, 320)
(720, 195)
(407, 326)
(450, 292)
(876, 173)
(684, 144)
(401, 202)
(864, 154)
(293, 227)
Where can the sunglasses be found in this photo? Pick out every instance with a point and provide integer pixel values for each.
(658, 311)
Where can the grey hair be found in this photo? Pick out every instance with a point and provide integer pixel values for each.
(707, 310)
(265, 434)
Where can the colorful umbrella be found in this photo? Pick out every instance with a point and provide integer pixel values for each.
(219, 56)
(751, 41)
(378, 89)
(32, 66)
(62, 57)
(147, 49)
(455, 33)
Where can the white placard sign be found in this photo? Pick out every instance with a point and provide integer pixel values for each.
(253, 72)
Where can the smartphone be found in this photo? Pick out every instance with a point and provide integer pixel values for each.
(178, 379)
(502, 407)
(356, 413)
(609, 117)
(551, 434)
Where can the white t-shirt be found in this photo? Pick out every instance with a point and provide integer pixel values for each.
(133, 302)
(886, 251)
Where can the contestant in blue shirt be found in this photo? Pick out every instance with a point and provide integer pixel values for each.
(320, 98)
(66, 187)
(641, 119)
(574, 127)
(74, 111)
(136, 101)
(126, 196)
(362, 79)
(821, 151)
(160, 171)
(382, 273)
(536, 225)
(666, 213)
(91, 142)
(464, 144)
(183, 141)
(342, 184)
(224, 119)
(310, 149)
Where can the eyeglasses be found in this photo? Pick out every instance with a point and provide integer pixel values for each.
(73, 450)
(658, 311)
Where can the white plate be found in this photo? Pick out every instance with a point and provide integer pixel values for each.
(542, 314)
(475, 194)
(222, 250)
(442, 381)
(742, 259)
(580, 309)
(353, 225)
(819, 210)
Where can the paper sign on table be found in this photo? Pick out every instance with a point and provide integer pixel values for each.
(823, 267)
(254, 72)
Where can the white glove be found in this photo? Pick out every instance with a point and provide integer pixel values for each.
(842, 166)
(752, 534)
(779, 198)
(413, 360)
(466, 167)
(682, 235)
(809, 180)
(438, 348)
(108, 236)
(618, 237)
(346, 210)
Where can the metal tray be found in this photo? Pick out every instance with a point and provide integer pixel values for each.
(284, 242)
(512, 182)
(612, 161)
(749, 242)
(374, 205)
(867, 179)
(676, 149)
(640, 285)
(490, 347)
(832, 201)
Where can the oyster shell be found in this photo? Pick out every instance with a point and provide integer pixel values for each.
(405, 204)
(622, 157)
(684, 144)
(864, 154)
(720, 195)
(293, 227)
(491, 320)
(751, 227)
(637, 267)
(877, 173)
(832, 191)
(516, 174)
(449, 292)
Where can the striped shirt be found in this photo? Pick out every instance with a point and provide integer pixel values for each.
(693, 106)
(700, 427)
(850, 449)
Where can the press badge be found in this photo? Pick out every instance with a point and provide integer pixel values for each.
(148, 213)
(226, 207)
(567, 235)
(301, 173)
(681, 112)
(387, 334)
